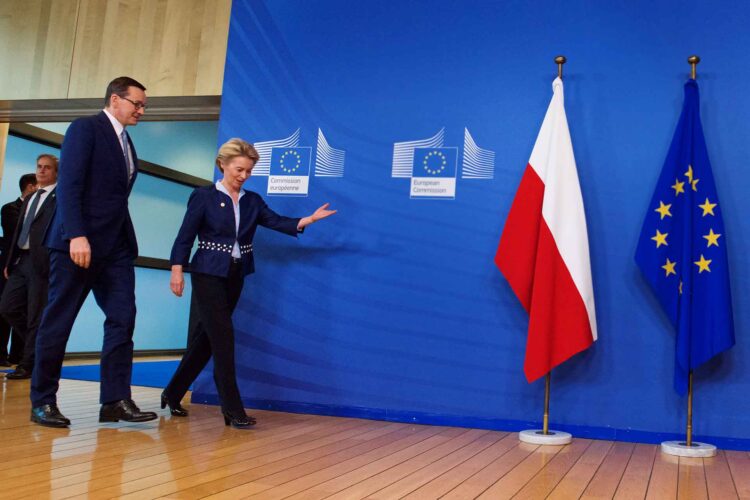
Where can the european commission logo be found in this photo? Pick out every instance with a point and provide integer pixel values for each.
(288, 165)
(433, 168)
(434, 173)
(290, 171)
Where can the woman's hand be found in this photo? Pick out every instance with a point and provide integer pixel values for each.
(177, 280)
(320, 213)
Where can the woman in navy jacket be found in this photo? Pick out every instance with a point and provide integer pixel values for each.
(224, 217)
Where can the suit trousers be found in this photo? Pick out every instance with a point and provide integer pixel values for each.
(211, 334)
(22, 303)
(16, 341)
(112, 279)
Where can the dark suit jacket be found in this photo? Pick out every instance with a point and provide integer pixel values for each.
(38, 253)
(9, 219)
(210, 216)
(93, 189)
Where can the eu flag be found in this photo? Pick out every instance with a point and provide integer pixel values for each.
(290, 161)
(434, 162)
(682, 248)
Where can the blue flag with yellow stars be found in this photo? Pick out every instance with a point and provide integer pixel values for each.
(682, 248)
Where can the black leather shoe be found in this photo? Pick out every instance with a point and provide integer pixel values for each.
(174, 409)
(4, 362)
(126, 410)
(19, 373)
(243, 422)
(49, 416)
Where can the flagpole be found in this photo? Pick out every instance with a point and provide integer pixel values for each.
(560, 60)
(546, 436)
(693, 61)
(688, 448)
(545, 417)
(689, 430)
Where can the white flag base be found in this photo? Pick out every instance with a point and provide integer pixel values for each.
(537, 436)
(681, 449)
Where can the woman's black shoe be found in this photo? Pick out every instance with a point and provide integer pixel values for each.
(176, 410)
(243, 422)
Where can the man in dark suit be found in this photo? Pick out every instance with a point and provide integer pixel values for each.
(92, 248)
(8, 219)
(27, 264)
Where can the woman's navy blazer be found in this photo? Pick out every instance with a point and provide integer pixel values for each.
(210, 217)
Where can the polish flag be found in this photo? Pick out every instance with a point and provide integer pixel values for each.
(544, 249)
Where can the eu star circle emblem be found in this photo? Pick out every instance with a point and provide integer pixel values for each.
(434, 162)
(290, 161)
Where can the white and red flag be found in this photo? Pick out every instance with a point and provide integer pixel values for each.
(544, 249)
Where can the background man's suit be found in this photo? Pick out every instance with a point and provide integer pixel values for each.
(8, 219)
(25, 293)
(92, 201)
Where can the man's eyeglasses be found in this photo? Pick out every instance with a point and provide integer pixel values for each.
(137, 104)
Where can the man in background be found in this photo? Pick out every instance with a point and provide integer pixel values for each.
(27, 264)
(8, 219)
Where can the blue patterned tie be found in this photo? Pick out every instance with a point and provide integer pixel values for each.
(23, 238)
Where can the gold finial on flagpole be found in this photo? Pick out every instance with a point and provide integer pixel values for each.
(693, 61)
(560, 60)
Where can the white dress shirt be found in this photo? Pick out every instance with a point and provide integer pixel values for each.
(220, 187)
(119, 127)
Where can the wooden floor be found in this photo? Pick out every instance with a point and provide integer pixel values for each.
(306, 456)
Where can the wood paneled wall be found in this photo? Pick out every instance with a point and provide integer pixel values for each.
(3, 145)
(73, 48)
(36, 48)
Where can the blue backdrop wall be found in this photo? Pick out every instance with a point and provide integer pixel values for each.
(393, 308)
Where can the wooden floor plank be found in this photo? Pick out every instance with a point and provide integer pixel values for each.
(167, 458)
(634, 482)
(301, 463)
(550, 476)
(578, 477)
(460, 473)
(251, 448)
(607, 477)
(354, 470)
(407, 476)
(739, 466)
(691, 480)
(290, 466)
(486, 477)
(719, 478)
(664, 477)
(516, 478)
(120, 433)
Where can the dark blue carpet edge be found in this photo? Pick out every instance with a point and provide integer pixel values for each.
(145, 373)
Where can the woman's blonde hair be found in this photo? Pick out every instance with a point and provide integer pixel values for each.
(234, 148)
